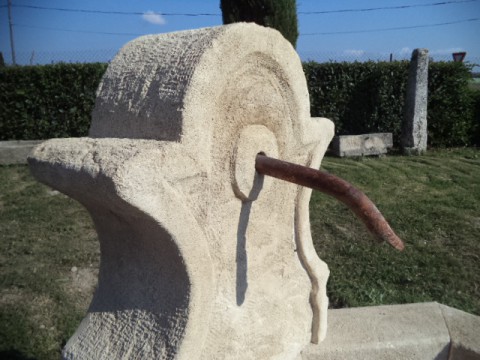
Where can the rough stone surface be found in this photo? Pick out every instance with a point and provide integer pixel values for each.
(414, 331)
(362, 145)
(414, 131)
(200, 256)
(16, 151)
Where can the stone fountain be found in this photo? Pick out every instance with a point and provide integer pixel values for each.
(202, 256)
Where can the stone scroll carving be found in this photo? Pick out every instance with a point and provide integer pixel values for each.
(201, 257)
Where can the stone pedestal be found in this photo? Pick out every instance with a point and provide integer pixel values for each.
(201, 257)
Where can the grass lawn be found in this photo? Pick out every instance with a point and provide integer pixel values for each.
(433, 203)
(49, 252)
(43, 237)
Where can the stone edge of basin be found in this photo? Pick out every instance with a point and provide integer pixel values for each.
(15, 152)
(410, 331)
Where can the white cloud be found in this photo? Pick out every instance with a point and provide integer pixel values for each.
(405, 51)
(154, 18)
(354, 52)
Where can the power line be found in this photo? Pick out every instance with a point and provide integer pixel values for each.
(305, 34)
(398, 7)
(77, 31)
(112, 12)
(390, 29)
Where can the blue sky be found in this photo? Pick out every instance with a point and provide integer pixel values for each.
(40, 32)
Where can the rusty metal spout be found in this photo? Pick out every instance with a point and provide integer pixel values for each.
(334, 186)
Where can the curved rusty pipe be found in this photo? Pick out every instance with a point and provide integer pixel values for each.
(334, 186)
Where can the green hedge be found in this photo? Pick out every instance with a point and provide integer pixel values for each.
(358, 97)
(451, 111)
(41, 102)
(476, 120)
(370, 97)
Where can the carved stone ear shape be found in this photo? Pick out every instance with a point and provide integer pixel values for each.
(201, 257)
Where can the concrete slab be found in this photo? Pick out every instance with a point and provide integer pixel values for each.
(16, 151)
(362, 145)
(412, 331)
(464, 330)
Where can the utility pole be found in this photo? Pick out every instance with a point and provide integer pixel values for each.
(12, 44)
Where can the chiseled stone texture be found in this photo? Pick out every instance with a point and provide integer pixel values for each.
(201, 257)
(362, 145)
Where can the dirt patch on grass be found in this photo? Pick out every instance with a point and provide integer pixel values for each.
(475, 221)
(10, 296)
(81, 286)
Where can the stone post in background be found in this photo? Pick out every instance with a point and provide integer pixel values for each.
(414, 129)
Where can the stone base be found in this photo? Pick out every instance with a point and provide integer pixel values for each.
(412, 331)
(362, 145)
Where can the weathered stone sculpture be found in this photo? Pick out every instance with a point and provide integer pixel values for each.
(201, 257)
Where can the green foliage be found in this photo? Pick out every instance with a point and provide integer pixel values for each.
(358, 97)
(450, 105)
(476, 106)
(41, 102)
(370, 97)
(277, 14)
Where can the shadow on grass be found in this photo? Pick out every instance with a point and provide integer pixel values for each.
(12, 354)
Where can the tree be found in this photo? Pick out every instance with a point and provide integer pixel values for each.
(277, 14)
